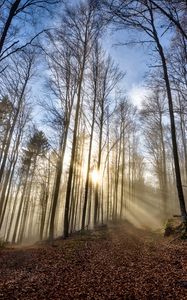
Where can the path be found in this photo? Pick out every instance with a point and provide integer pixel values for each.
(121, 263)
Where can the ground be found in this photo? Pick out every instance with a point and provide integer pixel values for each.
(119, 262)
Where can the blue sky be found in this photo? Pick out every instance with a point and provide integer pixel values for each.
(132, 60)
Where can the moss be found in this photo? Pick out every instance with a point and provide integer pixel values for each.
(175, 227)
(2, 243)
(183, 231)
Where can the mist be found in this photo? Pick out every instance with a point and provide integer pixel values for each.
(93, 153)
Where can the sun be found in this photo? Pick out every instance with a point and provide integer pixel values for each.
(95, 176)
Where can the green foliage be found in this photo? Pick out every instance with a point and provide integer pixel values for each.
(38, 143)
(36, 146)
(183, 231)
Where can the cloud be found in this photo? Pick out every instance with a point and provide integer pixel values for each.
(137, 94)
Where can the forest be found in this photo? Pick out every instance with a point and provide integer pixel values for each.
(77, 154)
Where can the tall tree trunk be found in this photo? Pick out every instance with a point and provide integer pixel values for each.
(8, 180)
(26, 206)
(20, 207)
(99, 165)
(172, 124)
(89, 160)
(122, 173)
(8, 22)
(73, 151)
(20, 101)
(57, 183)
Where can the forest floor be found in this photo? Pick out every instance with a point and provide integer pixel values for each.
(117, 262)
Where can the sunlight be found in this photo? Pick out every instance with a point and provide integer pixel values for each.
(142, 214)
(137, 94)
(95, 176)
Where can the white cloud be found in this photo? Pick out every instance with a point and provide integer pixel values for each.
(137, 94)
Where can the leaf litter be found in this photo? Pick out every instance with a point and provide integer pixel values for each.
(118, 262)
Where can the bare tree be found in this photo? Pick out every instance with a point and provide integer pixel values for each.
(109, 77)
(82, 23)
(63, 86)
(10, 12)
(153, 112)
(141, 15)
(175, 12)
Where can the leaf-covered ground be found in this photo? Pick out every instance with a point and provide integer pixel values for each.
(116, 263)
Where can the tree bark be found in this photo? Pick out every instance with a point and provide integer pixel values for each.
(172, 125)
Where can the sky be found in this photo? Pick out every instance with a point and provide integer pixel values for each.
(135, 62)
(132, 60)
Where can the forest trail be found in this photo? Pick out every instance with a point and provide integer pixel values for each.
(120, 262)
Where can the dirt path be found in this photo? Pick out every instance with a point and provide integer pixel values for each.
(119, 263)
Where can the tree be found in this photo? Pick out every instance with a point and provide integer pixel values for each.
(126, 112)
(36, 146)
(109, 77)
(63, 86)
(174, 11)
(153, 112)
(13, 159)
(141, 15)
(95, 69)
(82, 23)
(10, 11)
(14, 83)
